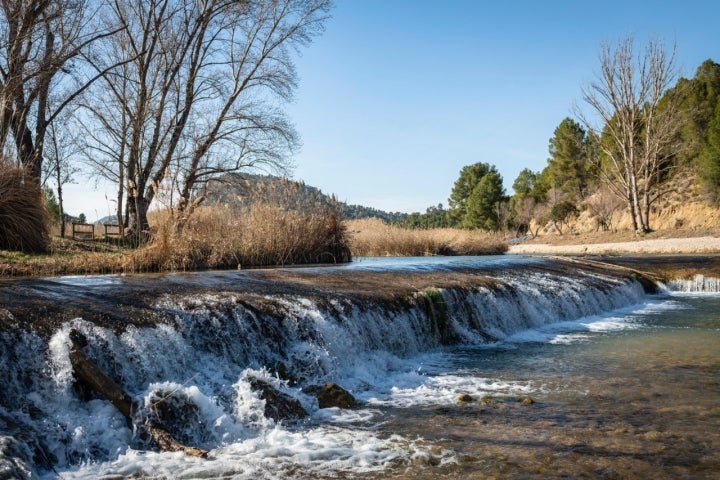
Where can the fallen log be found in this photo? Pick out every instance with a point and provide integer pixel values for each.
(88, 373)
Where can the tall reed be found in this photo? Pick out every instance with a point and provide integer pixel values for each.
(261, 235)
(372, 237)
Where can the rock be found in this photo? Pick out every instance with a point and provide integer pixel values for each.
(465, 398)
(278, 405)
(488, 400)
(333, 395)
(527, 401)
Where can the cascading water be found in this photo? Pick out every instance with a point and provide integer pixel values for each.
(203, 356)
(697, 284)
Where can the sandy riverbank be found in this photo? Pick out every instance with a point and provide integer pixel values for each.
(694, 245)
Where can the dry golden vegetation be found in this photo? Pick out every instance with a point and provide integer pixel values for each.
(371, 237)
(265, 234)
(23, 218)
(222, 237)
(213, 238)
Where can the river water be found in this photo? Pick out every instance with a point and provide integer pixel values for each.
(569, 378)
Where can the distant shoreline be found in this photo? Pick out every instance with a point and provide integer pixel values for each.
(656, 246)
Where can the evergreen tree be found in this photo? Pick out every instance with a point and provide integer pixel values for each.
(568, 166)
(51, 204)
(709, 160)
(482, 203)
(469, 177)
(697, 99)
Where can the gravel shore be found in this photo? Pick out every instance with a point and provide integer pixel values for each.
(704, 245)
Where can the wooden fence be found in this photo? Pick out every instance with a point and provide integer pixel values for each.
(87, 230)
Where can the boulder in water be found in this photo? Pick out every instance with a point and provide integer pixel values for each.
(333, 395)
(278, 405)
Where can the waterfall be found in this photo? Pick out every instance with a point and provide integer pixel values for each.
(210, 344)
(697, 284)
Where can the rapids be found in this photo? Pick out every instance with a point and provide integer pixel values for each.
(400, 335)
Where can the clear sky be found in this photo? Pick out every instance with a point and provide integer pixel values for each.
(396, 96)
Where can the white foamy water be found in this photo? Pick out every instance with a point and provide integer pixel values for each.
(201, 364)
(698, 284)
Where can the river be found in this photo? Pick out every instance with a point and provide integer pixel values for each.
(498, 367)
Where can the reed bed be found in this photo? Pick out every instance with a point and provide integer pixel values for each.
(220, 237)
(372, 237)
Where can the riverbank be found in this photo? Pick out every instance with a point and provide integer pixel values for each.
(664, 246)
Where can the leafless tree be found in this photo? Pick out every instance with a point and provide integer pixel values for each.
(44, 45)
(61, 147)
(201, 96)
(603, 204)
(637, 129)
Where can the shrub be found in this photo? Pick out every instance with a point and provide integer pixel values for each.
(561, 212)
(24, 224)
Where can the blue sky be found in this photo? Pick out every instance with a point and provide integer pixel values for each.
(397, 96)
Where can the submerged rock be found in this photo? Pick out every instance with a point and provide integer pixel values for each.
(527, 400)
(465, 398)
(333, 395)
(278, 405)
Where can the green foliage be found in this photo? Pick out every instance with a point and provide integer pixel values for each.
(469, 177)
(434, 217)
(569, 168)
(51, 204)
(697, 100)
(561, 212)
(709, 161)
(82, 218)
(481, 206)
(531, 184)
(524, 183)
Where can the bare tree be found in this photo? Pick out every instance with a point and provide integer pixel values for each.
(61, 147)
(201, 96)
(603, 204)
(43, 48)
(637, 129)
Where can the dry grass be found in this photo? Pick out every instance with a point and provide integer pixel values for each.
(23, 218)
(214, 238)
(221, 237)
(372, 237)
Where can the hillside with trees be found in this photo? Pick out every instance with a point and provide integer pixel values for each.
(651, 161)
(249, 189)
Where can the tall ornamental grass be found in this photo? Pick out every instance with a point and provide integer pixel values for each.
(24, 221)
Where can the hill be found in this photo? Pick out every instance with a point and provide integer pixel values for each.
(244, 190)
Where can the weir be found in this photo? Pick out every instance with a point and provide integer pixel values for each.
(198, 341)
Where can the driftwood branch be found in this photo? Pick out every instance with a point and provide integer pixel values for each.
(87, 372)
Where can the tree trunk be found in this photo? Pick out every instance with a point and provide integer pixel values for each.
(62, 211)
(87, 372)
